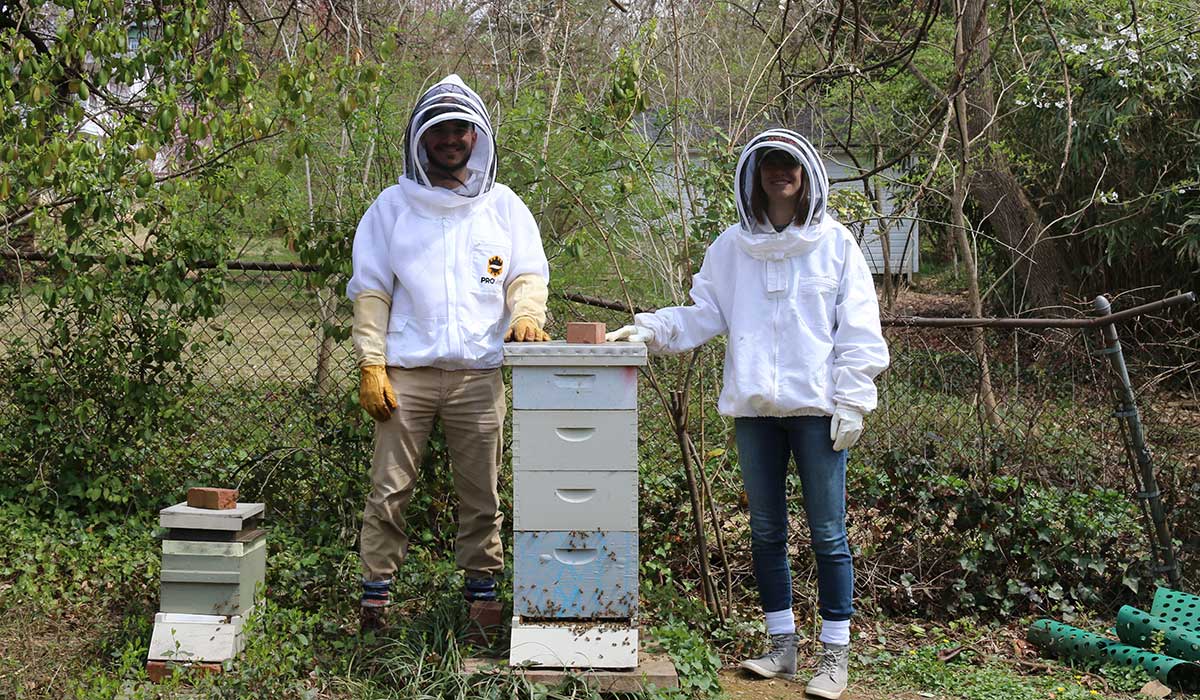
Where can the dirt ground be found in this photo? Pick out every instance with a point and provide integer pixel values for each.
(739, 685)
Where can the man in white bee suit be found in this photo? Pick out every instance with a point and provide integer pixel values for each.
(448, 264)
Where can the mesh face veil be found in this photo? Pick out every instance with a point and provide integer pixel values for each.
(451, 100)
(815, 178)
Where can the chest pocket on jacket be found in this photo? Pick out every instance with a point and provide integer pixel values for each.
(489, 265)
(817, 297)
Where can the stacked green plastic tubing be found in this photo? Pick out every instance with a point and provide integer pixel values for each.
(1172, 625)
(1172, 628)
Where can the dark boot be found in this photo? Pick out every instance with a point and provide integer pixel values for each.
(376, 596)
(484, 615)
(371, 619)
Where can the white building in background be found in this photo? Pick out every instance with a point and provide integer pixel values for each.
(902, 229)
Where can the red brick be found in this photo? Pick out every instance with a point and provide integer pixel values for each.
(158, 671)
(585, 332)
(211, 498)
(485, 622)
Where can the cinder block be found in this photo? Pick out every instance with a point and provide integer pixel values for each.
(585, 332)
(212, 498)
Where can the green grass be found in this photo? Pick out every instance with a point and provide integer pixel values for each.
(78, 597)
(970, 675)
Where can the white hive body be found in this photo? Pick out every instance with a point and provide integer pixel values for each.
(575, 553)
(213, 565)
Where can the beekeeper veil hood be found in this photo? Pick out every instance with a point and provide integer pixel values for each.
(451, 100)
(759, 238)
(816, 181)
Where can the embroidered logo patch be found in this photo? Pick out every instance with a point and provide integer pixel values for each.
(495, 265)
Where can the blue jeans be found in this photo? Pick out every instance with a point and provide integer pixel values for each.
(764, 447)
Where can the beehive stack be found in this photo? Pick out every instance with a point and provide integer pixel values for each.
(214, 560)
(575, 539)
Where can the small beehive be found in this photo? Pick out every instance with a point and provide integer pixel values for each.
(213, 563)
(575, 539)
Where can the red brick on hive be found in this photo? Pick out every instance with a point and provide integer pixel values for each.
(591, 333)
(212, 498)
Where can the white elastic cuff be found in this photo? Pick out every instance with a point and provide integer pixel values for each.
(835, 632)
(781, 622)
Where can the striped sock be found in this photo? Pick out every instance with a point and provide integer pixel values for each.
(480, 589)
(376, 594)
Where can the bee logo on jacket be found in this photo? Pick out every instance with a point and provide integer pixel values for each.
(495, 266)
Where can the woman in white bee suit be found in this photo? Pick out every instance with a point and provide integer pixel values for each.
(790, 287)
(448, 264)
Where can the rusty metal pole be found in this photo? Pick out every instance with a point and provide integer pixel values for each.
(1127, 413)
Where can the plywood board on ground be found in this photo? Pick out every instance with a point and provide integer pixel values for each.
(652, 671)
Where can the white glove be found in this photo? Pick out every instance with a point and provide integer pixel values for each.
(845, 428)
(634, 334)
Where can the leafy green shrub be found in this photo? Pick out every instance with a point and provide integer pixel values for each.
(54, 559)
(695, 660)
(106, 383)
(1001, 547)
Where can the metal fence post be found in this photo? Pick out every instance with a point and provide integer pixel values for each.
(1135, 441)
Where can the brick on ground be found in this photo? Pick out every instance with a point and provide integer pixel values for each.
(158, 671)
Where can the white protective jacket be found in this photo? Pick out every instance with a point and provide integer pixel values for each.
(798, 305)
(445, 258)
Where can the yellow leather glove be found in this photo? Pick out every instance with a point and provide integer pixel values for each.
(525, 330)
(375, 393)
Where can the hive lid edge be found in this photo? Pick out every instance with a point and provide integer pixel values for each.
(558, 352)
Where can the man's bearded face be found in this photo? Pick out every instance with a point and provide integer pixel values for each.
(449, 144)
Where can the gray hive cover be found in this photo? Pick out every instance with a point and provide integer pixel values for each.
(560, 352)
(183, 516)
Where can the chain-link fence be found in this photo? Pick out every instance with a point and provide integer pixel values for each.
(962, 491)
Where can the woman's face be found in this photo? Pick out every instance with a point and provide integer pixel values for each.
(781, 177)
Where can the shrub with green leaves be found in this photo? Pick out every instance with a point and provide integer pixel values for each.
(996, 545)
(120, 124)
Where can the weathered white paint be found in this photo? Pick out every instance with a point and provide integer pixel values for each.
(573, 645)
(197, 578)
(575, 574)
(183, 516)
(558, 353)
(575, 500)
(574, 440)
(209, 638)
(576, 388)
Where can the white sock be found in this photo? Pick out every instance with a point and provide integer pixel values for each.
(781, 622)
(835, 632)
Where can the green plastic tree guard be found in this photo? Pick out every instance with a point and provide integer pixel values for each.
(1142, 629)
(1071, 642)
(1177, 608)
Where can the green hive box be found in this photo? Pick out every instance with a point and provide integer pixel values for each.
(213, 561)
(211, 578)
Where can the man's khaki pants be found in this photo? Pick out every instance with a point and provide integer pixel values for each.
(470, 404)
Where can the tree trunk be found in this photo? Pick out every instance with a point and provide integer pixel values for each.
(1038, 262)
(962, 179)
